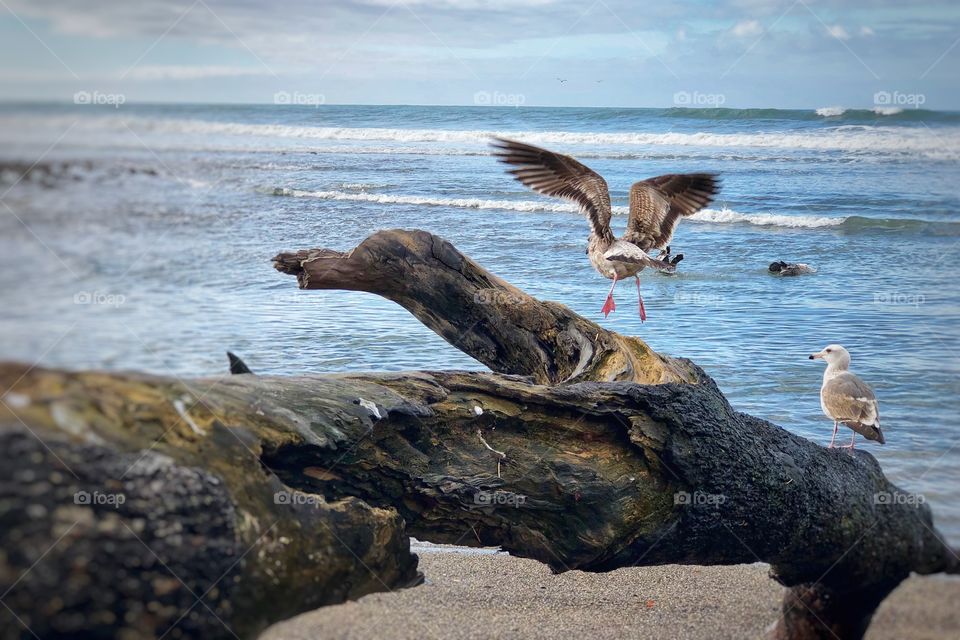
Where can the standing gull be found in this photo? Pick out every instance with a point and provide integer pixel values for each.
(656, 205)
(846, 398)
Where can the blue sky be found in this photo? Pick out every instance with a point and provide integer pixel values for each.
(732, 53)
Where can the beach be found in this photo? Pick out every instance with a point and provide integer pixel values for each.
(470, 595)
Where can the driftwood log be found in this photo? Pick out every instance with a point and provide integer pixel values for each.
(583, 449)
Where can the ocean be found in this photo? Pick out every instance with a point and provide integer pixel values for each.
(143, 237)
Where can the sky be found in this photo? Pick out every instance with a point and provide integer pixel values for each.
(619, 53)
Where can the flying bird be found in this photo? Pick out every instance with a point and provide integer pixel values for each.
(656, 206)
(847, 399)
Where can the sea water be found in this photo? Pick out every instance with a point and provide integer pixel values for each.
(143, 240)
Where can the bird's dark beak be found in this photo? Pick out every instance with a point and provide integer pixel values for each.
(811, 357)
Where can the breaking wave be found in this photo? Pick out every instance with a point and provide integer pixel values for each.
(711, 216)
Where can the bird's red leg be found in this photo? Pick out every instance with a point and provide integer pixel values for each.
(836, 426)
(609, 305)
(643, 312)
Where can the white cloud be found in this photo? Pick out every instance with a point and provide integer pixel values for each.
(747, 28)
(192, 72)
(838, 32)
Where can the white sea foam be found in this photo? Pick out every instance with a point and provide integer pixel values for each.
(423, 201)
(363, 186)
(767, 219)
(161, 133)
(717, 216)
(831, 112)
(887, 111)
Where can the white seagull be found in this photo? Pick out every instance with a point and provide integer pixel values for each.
(846, 398)
(656, 206)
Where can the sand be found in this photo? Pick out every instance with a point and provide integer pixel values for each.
(494, 595)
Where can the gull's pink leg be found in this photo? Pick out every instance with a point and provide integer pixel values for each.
(836, 426)
(609, 305)
(643, 312)
(852, 444)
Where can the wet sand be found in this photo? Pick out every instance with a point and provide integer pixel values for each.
(486, 595)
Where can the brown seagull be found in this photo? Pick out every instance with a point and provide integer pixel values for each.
(656, 205)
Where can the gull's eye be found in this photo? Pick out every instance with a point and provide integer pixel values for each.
(829, 350)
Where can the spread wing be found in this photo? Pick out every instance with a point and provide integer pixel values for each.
(657, 204)
(850, 399)
(555, 174)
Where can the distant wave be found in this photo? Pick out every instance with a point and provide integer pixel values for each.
(891, 114)
(426, 201)
(711, 216)
(767, 219)
(870, 141)
(867, 140)
(830, 112)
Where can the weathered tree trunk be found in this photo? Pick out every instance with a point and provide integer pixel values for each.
(584, 449)
(675, 475)
(481, 314)
(129, 509)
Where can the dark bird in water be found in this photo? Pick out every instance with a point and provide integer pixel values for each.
(656, 206)
(846, 399)
(237, 365)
